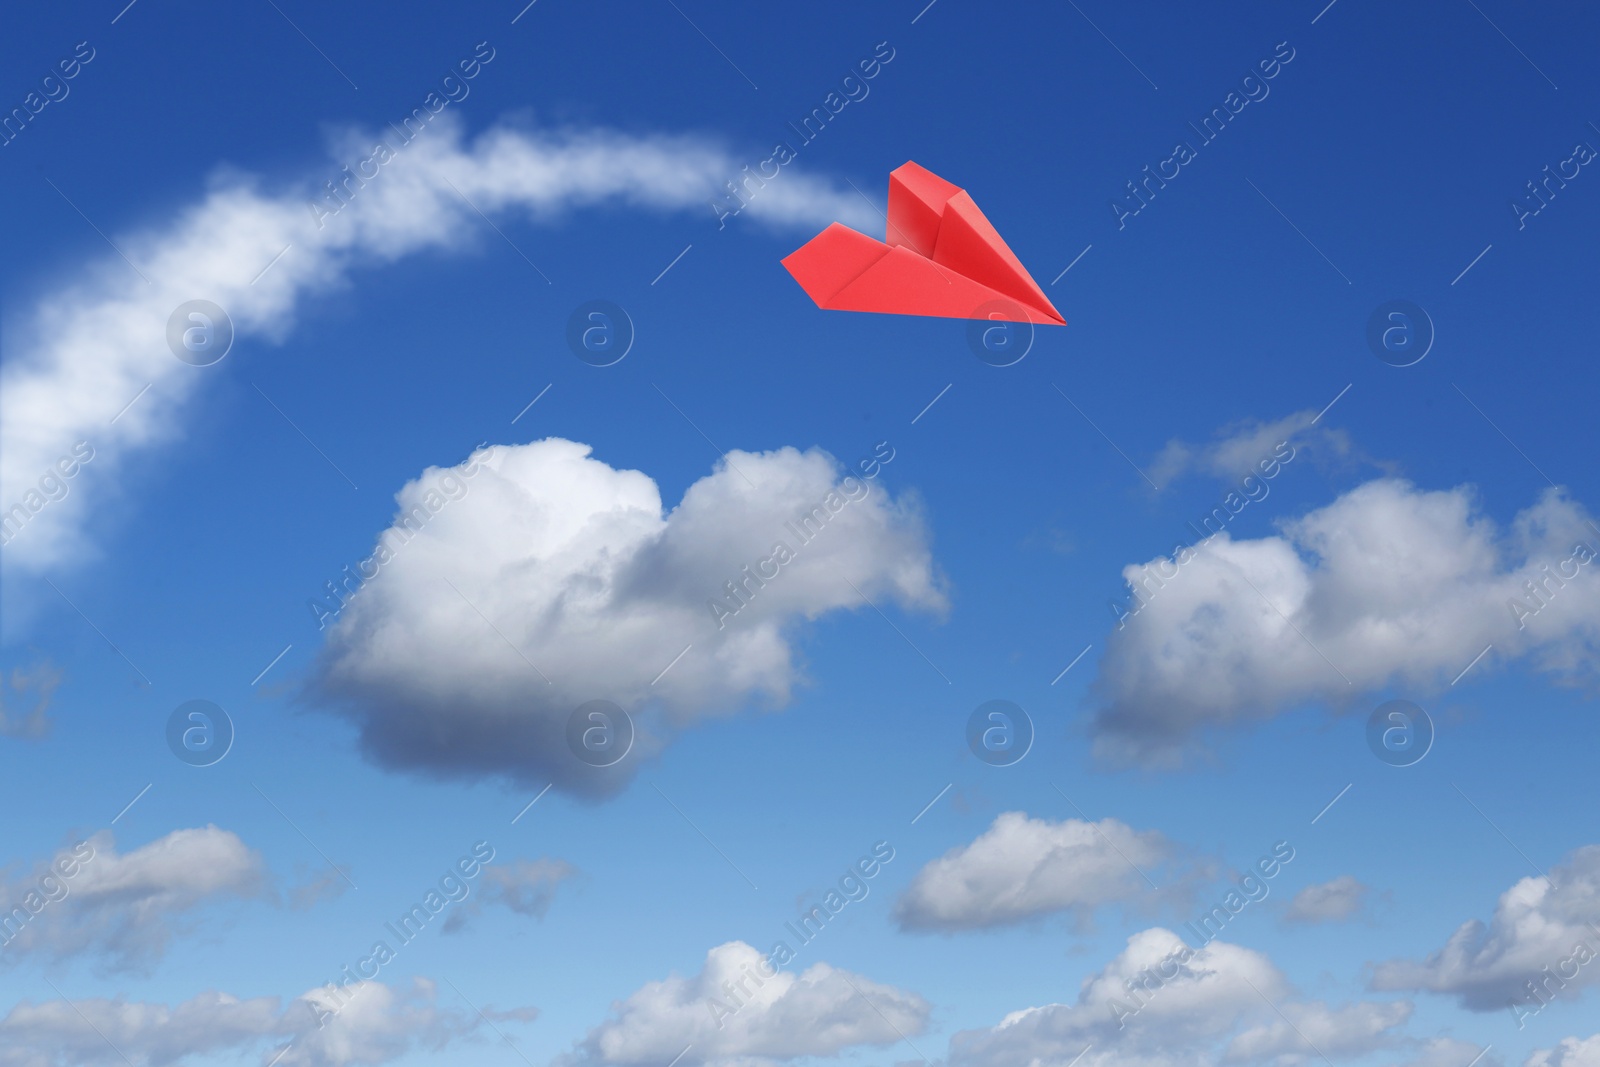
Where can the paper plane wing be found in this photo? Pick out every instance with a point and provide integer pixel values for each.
(943, 258)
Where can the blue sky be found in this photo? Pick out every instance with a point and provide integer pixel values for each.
(424, 327)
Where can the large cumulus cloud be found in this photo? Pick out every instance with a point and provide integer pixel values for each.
(557, 580)
(1388, 584)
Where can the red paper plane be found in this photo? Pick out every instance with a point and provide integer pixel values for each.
(942, 258)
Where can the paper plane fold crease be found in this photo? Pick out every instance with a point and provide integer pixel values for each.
(942, 258)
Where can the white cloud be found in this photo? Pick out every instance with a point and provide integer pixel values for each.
(1021, 868)
(327, 883)
(125, 905)
(1387, 584)
(571, 584)
(375, 1024)
(380, 1024)
(1310, 1031)
(1204, 999)
(35, 687)
(1572, 1052)
(527, 887)
(1327, 902)
(819, 1012)
(1448, 1052)
(59, 1033)
(1162, 1004)
(1536, 925)
(1239, 448)
(92, 345)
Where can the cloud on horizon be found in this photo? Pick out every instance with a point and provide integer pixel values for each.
(821, 1012)
(1159, 1003)
(377, 1024)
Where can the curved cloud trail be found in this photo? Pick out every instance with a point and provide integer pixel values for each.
(93, 363)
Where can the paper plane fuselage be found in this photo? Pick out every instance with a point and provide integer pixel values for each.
(942, 258)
